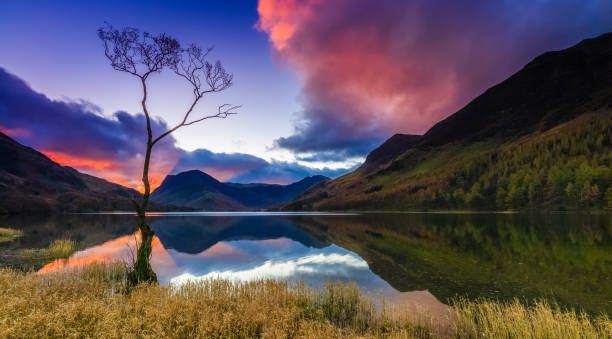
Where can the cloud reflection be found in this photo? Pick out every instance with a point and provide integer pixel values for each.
(312, 265)
(247, 260)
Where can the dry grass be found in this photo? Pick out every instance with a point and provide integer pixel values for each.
(58, 249)
(490, 319)
(9, 234)
(94, 303)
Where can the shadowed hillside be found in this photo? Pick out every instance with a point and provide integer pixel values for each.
(32, 183)
(540, 139)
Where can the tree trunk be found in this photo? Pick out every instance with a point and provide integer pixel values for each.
(142, 271)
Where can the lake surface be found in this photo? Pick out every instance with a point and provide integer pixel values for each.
(414, 258)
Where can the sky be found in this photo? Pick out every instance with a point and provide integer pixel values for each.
(321, 82)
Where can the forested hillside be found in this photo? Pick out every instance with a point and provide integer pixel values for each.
(563, 169)
(566, 168)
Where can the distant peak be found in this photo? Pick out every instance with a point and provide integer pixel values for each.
(190, 172)
(317, 176)
(193, 174)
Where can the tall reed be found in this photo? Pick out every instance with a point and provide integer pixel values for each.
(93, 302)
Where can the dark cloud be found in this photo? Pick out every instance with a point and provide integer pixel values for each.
(222, 166)
(246, 168)
(371, 68)
(76, 133)
(279, 172)
(328, 139)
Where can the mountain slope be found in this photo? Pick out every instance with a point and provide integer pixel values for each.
(540, 139)
(30, 183)
(389, 150)
(199, 190)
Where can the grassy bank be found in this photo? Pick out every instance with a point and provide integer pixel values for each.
(94, 303)
(9, 234)
(58, 249)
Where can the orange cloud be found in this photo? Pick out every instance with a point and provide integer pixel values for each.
(126, 173)
(79, 162)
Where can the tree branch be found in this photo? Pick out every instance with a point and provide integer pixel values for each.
(223, 112)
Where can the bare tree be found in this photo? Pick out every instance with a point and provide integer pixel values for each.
(142, 54)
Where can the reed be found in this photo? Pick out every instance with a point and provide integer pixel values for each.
(492, 319)
(9, 234)
(58, 249)
(94, 302)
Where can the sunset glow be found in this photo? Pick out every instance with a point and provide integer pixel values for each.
(306, 168)
(77, 162)
(111, 171)
(326, 82)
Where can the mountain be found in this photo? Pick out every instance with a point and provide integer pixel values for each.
(389, 150)
(199, 190)
(541, 139)
(32, 183)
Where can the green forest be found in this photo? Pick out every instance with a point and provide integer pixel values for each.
(566, 170)
(563, 169)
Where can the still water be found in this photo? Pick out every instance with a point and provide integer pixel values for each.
(417, 259)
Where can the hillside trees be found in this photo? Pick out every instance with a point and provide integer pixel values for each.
(566, 168)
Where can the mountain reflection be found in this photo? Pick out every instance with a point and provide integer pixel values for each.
(196, 234)
(237, 248)
(245, 249)
(561, 257)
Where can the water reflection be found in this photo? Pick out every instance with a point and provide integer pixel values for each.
(567, 258)
(246, 249)
(281, 258)
(194, 234)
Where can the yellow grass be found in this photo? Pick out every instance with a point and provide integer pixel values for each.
(489, 319)
(93, 302)
(58, 249)
(9, 234)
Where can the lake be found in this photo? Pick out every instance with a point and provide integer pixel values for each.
(423, 259)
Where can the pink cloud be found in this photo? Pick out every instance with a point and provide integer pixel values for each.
(371, 68)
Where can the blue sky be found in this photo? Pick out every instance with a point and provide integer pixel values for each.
(321, 82)
(54, 47)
